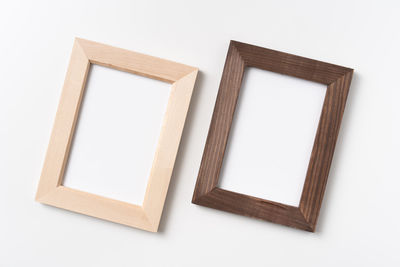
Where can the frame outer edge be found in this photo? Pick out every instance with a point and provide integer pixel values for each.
(64, 122)
(51, 192)
(207, 181)
(164, 160)
(313, 191)
(225, 102)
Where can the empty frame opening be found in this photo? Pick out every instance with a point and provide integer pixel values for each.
(272, 136)
(116, 134)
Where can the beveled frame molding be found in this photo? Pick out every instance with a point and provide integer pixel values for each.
(337, 78)
(50, 190)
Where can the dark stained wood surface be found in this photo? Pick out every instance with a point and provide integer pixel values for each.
(336, 78)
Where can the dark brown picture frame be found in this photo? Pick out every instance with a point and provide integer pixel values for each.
(337, 78)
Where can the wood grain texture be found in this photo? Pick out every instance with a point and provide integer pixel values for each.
(65, 122)
(241, 55)
(292, 65)
(50, 190)
(133, 62)
(167, 148)
(220, 123)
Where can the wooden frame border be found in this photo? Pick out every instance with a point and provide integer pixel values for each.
(337, 78)
(50, 190)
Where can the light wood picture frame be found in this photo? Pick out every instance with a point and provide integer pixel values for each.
(51, 191)
(336, 78)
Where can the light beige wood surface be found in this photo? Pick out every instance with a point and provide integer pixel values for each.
(52, 192)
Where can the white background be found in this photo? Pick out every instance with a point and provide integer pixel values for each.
(272, 136)
(358, 224)
(116, 135)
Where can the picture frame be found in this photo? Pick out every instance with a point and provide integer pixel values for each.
(50, 189)
(336, 78)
